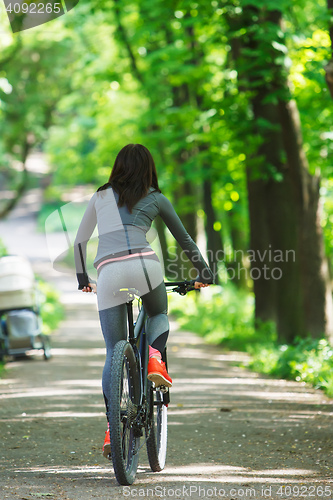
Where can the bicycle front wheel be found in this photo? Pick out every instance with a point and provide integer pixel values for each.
(125, 398)
(157, 429)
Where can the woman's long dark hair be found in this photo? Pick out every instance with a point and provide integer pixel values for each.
(132, 175)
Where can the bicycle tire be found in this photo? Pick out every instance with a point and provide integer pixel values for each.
(125, 397)
(157, 429)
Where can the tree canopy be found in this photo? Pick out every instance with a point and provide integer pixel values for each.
(232, 99)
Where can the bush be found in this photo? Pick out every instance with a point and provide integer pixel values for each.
(306, 360)
(3, 249)
(226, 318)
(52, 311)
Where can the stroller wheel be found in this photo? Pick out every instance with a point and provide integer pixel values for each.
(3, 346)
(47, 354)
(3, 349)
(47, 350)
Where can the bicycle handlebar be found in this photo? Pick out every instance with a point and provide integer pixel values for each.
(182, 287)
(179, 283)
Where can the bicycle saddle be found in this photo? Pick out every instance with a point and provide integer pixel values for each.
(128, 294)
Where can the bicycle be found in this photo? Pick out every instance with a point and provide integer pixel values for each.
(137, 407)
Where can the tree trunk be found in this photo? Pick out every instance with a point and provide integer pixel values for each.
(21, 187)
(288, 272)
(239, 263)
(214, 240)
(279, 284)
(264, 290)
(315, 283)
(189, 217)
(160, 227)
(181, 267)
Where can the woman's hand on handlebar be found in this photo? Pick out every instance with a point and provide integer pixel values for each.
(198, 284)
(91, 288)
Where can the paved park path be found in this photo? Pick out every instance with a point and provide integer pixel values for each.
(232, 433)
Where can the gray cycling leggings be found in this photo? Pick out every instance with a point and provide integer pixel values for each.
(145, 275)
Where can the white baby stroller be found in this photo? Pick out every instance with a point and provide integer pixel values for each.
(20, 321)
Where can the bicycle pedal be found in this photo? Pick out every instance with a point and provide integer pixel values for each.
(162, 388)
(107, 452)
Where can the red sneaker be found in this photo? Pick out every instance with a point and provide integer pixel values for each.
(107, 446)
(158, 374)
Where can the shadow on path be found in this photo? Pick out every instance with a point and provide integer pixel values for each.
(232, 433)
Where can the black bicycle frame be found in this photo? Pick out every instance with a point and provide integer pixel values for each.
(138, 339)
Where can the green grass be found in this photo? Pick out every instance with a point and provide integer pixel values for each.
(72, 214)
(226, 319)
(54, 206)
(58, 216)
(53, 215)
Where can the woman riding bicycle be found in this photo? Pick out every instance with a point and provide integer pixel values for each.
(124, 209)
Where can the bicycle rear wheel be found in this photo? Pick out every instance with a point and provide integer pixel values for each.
(125, 398)
(157, 429)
